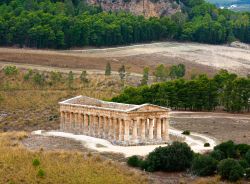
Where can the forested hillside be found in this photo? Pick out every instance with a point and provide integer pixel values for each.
(58, 24)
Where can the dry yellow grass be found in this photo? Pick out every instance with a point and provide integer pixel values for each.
(59, 167)
(30, 107)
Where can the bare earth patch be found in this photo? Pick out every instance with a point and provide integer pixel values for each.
(199, 58)
(222, 126)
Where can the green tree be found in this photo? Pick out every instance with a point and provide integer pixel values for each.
(56, 76)
(122, 72)
(70, 79)
(108, 69)
(39, 79)
(230, 169)
(83, 77)
(204, 165)
(145, 76)
(160, 73)
(176, 157)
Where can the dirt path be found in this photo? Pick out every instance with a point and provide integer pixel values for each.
(196, 142)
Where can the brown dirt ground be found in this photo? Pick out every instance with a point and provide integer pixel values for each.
(222, 126)
(134, 63)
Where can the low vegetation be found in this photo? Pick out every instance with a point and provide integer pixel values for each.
(229, 160)
(29, 98)
(18, 165)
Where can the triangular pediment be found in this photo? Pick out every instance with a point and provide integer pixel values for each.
(149, 107)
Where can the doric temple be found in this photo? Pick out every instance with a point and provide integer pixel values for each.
(123, 124)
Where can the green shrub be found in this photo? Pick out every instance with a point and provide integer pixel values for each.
(39, 79)
(186, 132)
(204, 165)
(56, 76)
(244, 163)
(247, 171)
(206, 144)
(10, 70)
(217, 155)
(83, 77)
(228, 148)
(230, 169)
(36, 162)
(176, 157)
(40, 173)
(133, 161)
(242, 149)
(143, 164)
(247, 156)
(27, 75)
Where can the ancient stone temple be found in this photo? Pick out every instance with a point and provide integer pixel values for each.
(123, 124)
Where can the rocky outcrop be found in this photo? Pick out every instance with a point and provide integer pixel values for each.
(147, 8)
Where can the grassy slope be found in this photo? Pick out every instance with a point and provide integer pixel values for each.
(31, 107)
(60, 167)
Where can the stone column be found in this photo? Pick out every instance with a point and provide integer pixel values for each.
(71, 121)
(126, 129)
(67, 124)
(151, 129)
(158, 130)
(86, 124)
(147, 128)
(121, 135)
(111, 128)
(96, 123)
(76, 123)
(165, 127)
(62, 120)
(134, 135)
(106, 127)
(115, 127)
(101, 126)
(92, 125)
(143, 136)
(80, 121)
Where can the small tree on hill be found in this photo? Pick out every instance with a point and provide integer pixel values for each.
(10, 70)
(28, 74)
(108, 69)
(122, 73)
(161, 73)
(70, 79)
(83, 77)
(145, 76)
(39, 79)
(56, 76)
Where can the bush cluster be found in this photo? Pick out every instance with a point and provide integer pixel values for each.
(231, 161)
(176, 157)
(10, 70)
(186, 132)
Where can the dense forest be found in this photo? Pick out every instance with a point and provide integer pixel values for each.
(66, 24)
(224, 91)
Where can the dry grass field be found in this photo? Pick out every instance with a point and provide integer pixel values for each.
(26, 106)
(17, 166)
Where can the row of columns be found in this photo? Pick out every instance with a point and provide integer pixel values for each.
(137, 130)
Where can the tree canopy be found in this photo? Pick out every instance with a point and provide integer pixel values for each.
(224, 90)
(73, 23)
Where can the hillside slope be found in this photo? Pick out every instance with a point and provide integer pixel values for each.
(147, 8)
